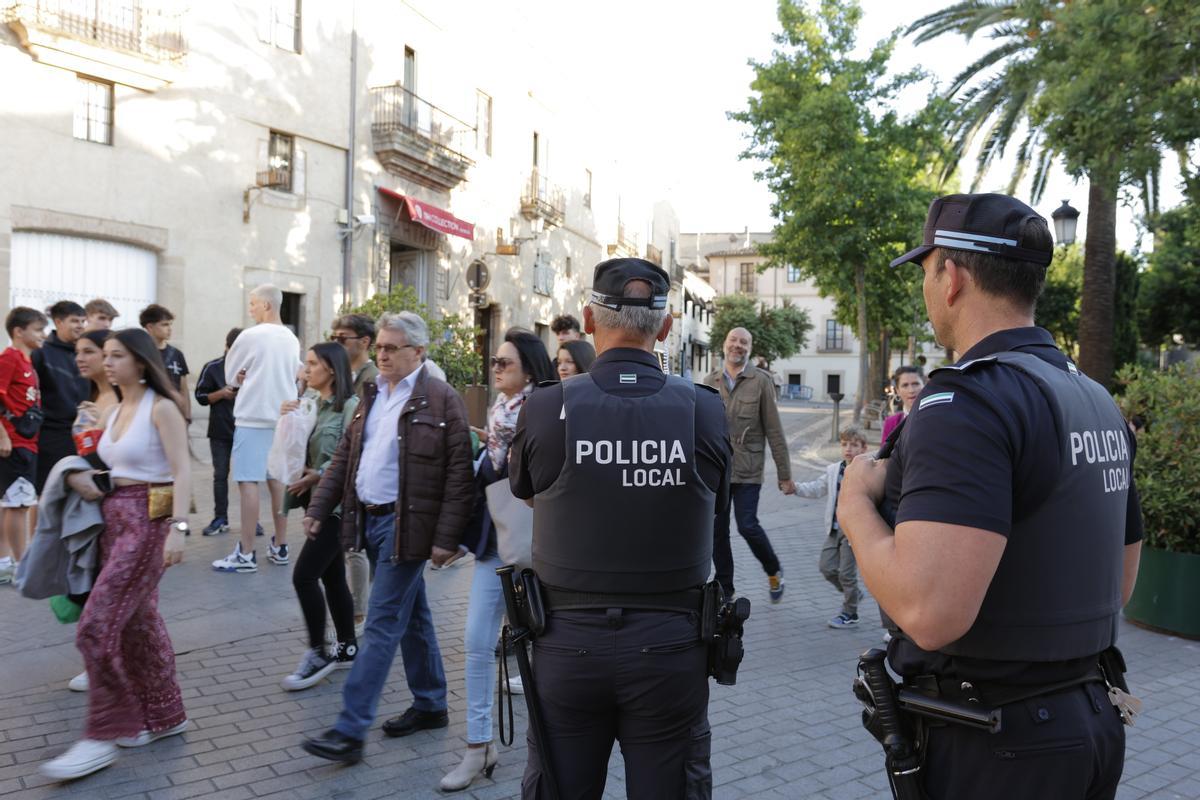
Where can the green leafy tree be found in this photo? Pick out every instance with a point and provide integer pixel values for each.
(1169, 299)
(1058, 306)
(1166, 470)
(451, 342)
(850, 177)
(778, 332)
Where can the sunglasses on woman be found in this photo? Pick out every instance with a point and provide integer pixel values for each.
(501, 363)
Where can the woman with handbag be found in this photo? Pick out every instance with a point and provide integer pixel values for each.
(331, 386)
(134, 697)
(520, 364)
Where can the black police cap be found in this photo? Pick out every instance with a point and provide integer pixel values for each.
(612, 276)
(984, 223)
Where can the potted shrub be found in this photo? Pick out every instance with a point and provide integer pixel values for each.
(1167, 474)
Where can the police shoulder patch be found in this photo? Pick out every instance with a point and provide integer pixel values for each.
(937, 399)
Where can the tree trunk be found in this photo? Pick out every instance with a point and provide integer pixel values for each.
(864, 346)
(1099, 265)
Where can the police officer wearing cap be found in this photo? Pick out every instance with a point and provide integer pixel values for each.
(626, 467)
(1002, 531)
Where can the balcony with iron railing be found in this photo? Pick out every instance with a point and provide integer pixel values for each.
(419, 141)
(135, 43)
(543, 198)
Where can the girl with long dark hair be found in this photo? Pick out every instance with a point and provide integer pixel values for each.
(574, 358)
(134, 697)
(520, 364)
(331, 385)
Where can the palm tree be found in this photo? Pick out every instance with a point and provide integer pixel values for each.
(995, 96)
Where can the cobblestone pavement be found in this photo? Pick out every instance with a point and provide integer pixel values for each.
(789, 729)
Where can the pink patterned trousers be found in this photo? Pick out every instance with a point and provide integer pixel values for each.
(129, 657)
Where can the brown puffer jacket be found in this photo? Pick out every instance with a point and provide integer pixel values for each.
(436, 478)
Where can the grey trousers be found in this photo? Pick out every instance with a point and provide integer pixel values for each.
(839, 568)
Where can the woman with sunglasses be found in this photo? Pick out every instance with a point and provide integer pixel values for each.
(520, 364)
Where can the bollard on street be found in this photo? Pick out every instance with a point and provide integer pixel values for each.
(837, 399)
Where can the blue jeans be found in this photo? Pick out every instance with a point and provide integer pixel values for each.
(397, 614)
(744, 498)
(484, 614)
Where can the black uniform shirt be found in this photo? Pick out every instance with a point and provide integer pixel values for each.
(539, 447)
(991, 458)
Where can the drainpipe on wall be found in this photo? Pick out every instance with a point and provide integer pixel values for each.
(348, 240)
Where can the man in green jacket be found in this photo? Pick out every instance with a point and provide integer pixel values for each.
(749, 395)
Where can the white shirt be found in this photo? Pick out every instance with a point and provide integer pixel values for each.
(270, 354)
(378, 478)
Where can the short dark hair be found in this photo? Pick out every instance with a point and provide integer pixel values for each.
(565, 322)
(65, 308)
(22, 317)
(361, 324)
(101, 306)
(154, 313)
(231, 337)
(906, 369)
(535, 361)
(1017, 281)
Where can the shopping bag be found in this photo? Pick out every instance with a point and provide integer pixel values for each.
(514, 524)
(289, 449)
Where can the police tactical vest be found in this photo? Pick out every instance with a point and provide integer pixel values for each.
(1056, 593)
(629, 511)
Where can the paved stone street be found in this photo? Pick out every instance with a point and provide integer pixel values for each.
(789, 729)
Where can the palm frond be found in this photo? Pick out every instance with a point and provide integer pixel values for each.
(984, 62)
(1024, 153)
(1041, 174)
(965, 18)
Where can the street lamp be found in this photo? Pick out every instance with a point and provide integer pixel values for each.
(1066, 220)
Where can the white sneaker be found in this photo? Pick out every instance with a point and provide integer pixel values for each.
(314, 666)
(146, 737)
(236, 562)
(85, 757)
(8, 569)
(278, 555)
(79, 683)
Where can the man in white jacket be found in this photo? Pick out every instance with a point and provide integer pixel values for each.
(837, 559)
(262, 365)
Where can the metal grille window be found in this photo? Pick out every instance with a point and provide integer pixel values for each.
(746, 279)
(280, 157)
(93, 110)
(835, 335)
(793, 274)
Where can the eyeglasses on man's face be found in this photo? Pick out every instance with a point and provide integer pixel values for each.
(392, 349)
(342, 338)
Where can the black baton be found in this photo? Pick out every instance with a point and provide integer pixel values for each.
(518, 633)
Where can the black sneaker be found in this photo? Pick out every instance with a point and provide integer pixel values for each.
(278, 555)
(312, 668)
(843, 620)
(345, 653)
(218, 526)
(258, 531)
(415, 720)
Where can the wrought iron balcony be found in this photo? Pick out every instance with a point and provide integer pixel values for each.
(419, 141)
(544, 199)
(147, 30)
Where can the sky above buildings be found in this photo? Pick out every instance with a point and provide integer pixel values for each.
(659, 77)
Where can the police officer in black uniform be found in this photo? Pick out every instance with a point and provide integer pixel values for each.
(1017, 528)
(626, 467)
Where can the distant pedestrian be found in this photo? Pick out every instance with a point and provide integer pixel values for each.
(837, 559)
(753, 418)
(263, 362)
(908, 382)
(566, 328)
(100, 314)
(356, 333)
(402, 476)
(134, 697)
(62, 388)
(330, 386)
(89, 419)
(213, 390)
(19, 394)
(574, 358)
(158, 321)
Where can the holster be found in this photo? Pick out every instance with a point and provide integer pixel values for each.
(710, 609)
(725, 650)
(533, 605)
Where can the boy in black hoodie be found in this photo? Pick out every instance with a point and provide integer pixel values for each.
(214, 391)
(62, 387)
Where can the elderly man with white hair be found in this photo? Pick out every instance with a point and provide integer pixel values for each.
(403, 479)
(262, 366)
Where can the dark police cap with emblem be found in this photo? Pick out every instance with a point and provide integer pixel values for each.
(983, 223)
(612, 276)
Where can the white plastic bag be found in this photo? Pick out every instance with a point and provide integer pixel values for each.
(289, 450)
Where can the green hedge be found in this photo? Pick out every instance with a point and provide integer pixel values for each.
(1167, 465)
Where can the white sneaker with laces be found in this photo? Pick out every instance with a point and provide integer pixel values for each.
(79, 683)
(146, 737)
(236, 561)
(314, 666)
(85, 757)
(278, 555)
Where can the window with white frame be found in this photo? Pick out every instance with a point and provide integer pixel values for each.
(93, 110)
(793, 274)
(835, 335)
(543, 274)
(279, 24)
(280, 158)
(746, 278)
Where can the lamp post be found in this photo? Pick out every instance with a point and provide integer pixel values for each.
(1066, 220)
